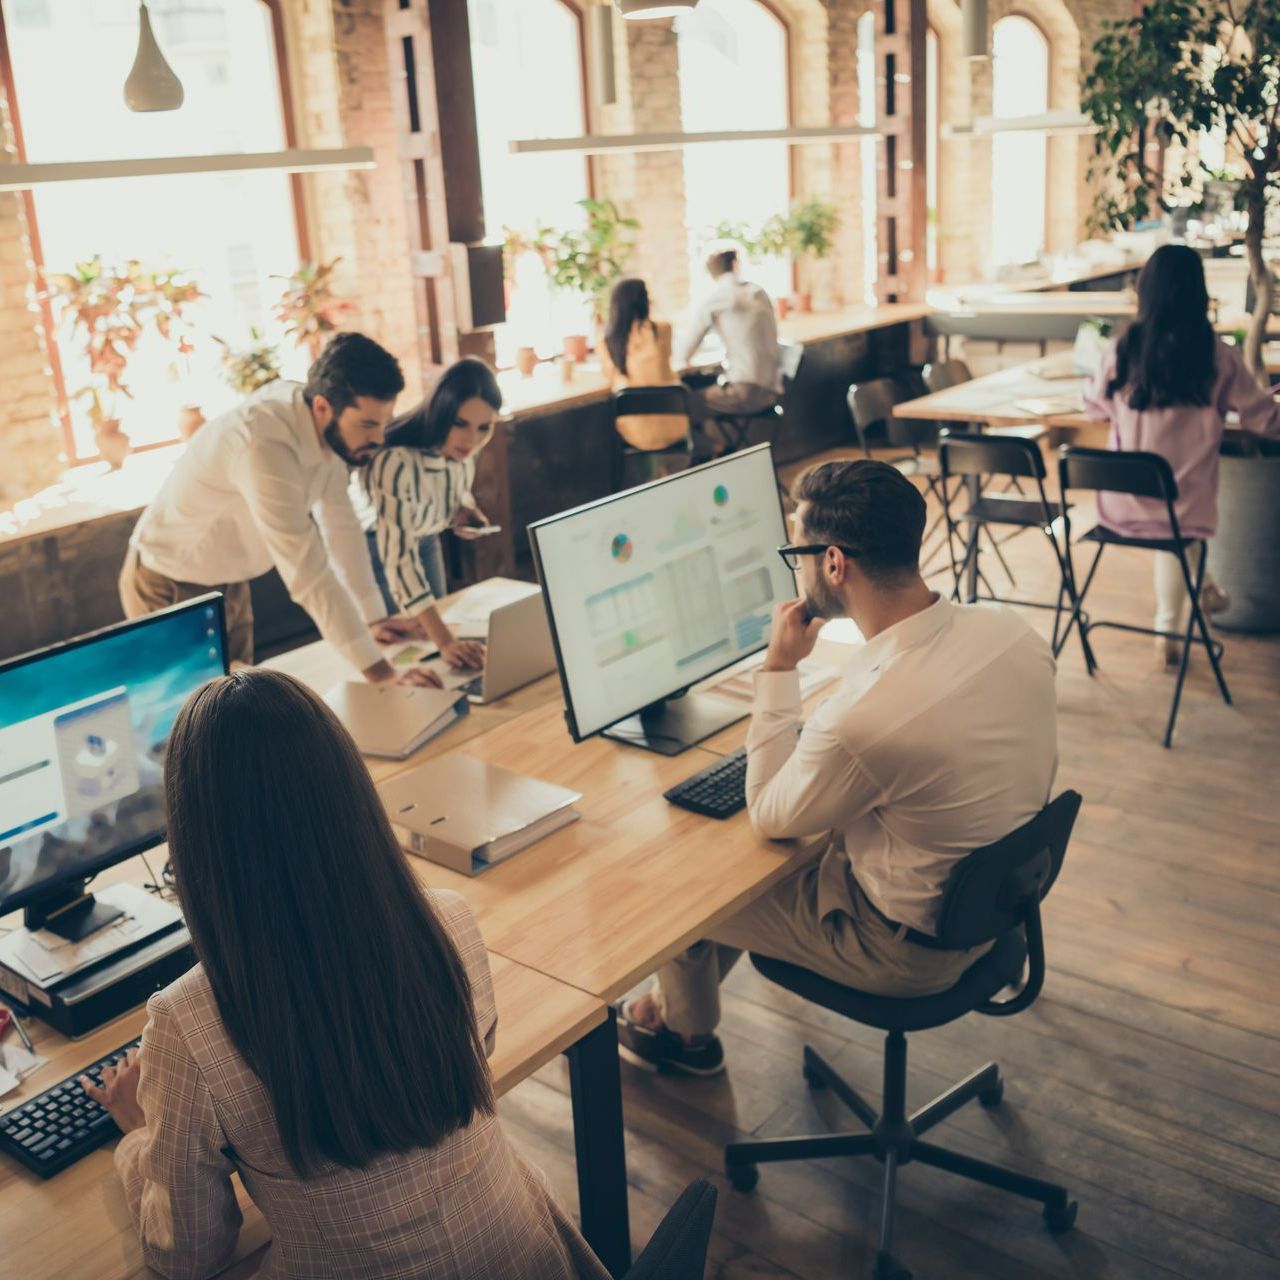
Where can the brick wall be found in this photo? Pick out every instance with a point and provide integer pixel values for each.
(31, 446)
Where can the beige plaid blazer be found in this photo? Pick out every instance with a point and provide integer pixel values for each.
(465, 1209)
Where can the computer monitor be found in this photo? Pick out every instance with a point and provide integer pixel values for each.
(83, 730)
(656, 588)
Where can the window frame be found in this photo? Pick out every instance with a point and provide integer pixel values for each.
(48, 326)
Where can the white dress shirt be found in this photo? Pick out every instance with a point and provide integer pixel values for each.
(253, 489)
(742, 316)
(940, 738)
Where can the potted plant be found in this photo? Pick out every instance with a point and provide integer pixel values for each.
(168, 294)
(309, 309)
(588, 261)
(248, 368)
(807, 231)
(106, 309)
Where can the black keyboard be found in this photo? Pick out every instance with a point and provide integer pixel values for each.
(717, 791)
(57, 1127)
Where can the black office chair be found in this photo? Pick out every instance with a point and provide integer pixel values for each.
(677, 1250)
(1145, 475)
(975, 457)
(994, 893)
(736, 428)
(871, 408)
(646, 402)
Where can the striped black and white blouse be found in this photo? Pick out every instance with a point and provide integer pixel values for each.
(412, 494)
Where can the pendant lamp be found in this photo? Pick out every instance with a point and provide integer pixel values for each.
(973, 29)
(637, 9)
(151, 85)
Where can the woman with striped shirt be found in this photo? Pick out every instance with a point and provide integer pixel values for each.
(420, 485)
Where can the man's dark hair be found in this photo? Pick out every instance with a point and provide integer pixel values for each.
(721, 262)
(869, 507)
(350, 366)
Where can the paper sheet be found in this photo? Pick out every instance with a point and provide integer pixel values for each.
(15, 1064)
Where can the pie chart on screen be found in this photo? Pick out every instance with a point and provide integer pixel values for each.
(720, 495)
(620, 549)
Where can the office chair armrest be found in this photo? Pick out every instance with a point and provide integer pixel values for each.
(1034, 982)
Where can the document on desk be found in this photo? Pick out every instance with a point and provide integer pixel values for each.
(738, 683)
(469, 615)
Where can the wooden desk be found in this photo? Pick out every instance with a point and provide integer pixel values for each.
(76, 1226)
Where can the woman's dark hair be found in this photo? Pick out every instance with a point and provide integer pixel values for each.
(334, 977)
(1167, 355)
(427, 426)
(352, 365)
(628, 303)
(868, 506)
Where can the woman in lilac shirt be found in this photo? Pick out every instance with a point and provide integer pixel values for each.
(1166, 385)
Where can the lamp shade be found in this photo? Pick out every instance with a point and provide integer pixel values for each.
(636, 9)
(973, 29)
(151, 85)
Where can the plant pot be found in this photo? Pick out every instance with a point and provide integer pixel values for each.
(526, 361)
(576, 347)
(782, 306)
(112, 443)
(190, 420)
(1244, 555)
(802, 303)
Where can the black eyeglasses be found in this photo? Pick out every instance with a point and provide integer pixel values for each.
(791, 554)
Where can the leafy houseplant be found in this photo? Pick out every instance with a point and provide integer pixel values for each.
(309, 309)
(807, 231)
(250, 367)
(1179, 70)
(587, 261)
(110, 308)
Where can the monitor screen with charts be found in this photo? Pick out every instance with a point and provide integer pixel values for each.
(656, 588)
(83, 731)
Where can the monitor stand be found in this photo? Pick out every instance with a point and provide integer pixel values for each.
(71, 914)
(675, 724)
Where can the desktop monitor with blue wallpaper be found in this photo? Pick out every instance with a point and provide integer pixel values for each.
(83, 731)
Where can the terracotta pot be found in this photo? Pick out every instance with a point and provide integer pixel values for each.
(567, 367)
(782, 306)
(112, 443)
(526, 361)
(190, 420)
(802, 303)
(575, 347)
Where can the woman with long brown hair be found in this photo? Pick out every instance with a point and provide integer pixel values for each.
(330, 1045)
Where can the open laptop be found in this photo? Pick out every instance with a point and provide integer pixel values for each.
(518, 651)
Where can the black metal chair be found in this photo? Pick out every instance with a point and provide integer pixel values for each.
(649, 402)
(973, 457)
(736, 428)
(871, 408)
(992, 894)
(1144, 475)
(677, 1250)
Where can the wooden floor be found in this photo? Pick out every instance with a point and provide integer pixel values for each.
(1147, 1077)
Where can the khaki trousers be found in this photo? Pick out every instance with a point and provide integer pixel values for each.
(858, 949)
(144, 591)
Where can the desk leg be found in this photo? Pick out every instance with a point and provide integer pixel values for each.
(974, 485)
(595, 1086)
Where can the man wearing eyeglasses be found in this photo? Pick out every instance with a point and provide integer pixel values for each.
(940, 739)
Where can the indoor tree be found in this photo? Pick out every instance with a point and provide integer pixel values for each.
(1178, 70)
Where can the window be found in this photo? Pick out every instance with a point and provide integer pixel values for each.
(733, 75)
(229, 232)
(537, 46)
(867, 107)
(1019, 161)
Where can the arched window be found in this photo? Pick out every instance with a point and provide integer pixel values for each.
(733, 75)
(867, 148)
(527, 63)
(1019, 161)
(231, 232)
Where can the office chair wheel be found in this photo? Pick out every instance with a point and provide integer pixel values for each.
(743, 1177)
(887, 1268)
(994, 1096)
(1061, 1218)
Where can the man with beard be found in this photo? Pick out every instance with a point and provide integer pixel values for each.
(266, 484)
(940, 738)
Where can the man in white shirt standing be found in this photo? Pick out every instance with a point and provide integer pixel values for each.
(742, 316)
(940, 738)
(266, 484)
